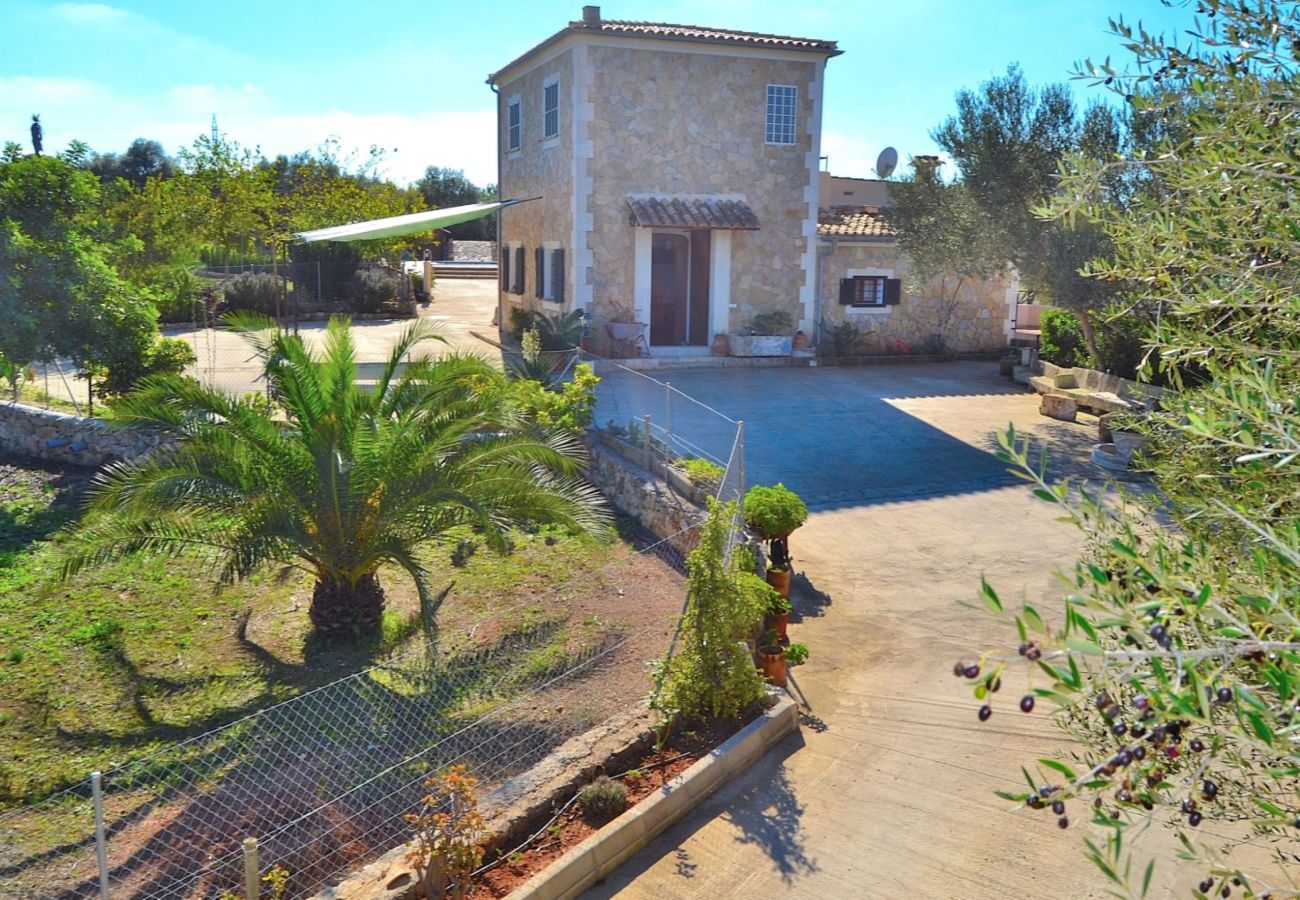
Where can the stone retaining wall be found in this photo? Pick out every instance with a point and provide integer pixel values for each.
(643, 496)
(45, 434)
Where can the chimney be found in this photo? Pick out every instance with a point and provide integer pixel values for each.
(591, 16)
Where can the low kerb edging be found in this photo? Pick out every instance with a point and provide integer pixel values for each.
(614, 844)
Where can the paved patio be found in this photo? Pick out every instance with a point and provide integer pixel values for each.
(888, 790)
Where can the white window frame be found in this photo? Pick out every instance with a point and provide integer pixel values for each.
(551, 139)
(781, 115)
(548, 260)
(515, 131)
(874, 310)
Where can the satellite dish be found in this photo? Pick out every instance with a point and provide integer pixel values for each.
(886, 162)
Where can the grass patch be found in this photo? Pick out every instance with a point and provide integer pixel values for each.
(140, 653)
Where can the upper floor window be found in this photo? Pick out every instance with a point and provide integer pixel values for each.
(782, 101)
(514, 124)
(551, 108)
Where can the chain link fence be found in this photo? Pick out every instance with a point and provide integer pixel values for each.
(323, 781)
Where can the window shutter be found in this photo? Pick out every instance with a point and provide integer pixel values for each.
(518, 272)
(504, 256)
(539, 260)
(557, 275)
(848, 291)
(893, 291)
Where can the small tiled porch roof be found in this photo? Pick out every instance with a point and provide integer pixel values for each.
(853, 222)
(691, 212)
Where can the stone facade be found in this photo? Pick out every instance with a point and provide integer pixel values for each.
(680, 118)
(692, 123)
(77, 440)
(929, 318)
(541, 169)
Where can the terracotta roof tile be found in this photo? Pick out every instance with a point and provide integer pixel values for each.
(852, 221)
(669, 32)
(691, 212)
(712, 35)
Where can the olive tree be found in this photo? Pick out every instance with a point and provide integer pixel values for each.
(1175, 662)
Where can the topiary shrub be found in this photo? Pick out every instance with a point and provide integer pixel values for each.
(773, 513)
(253, 292)
(370, 291)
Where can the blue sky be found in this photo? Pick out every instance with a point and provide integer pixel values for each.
(409, 77)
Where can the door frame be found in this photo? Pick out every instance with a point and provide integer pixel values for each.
(719, 280)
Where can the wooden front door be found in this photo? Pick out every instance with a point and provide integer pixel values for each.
(679, 288)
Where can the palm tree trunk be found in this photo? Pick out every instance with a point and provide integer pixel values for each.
(338, 608)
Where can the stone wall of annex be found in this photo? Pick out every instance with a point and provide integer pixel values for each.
(539, 168)
(672, 122)
(976, 320)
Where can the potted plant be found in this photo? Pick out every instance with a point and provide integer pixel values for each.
(778, 616)
(775, 658)
(773, 513)
(768, 335)
(771, 657)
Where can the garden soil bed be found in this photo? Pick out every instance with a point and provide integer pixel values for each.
(654, 769)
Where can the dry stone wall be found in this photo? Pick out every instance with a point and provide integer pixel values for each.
(77, 440)
(638, 493)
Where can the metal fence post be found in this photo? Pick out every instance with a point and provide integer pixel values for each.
(649, 453)
(101, 847)
(667, 424)
(740, 459)
(251, 884)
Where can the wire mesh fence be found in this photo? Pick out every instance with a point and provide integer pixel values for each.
(324, 781)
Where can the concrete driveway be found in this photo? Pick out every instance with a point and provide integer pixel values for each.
(888, 790)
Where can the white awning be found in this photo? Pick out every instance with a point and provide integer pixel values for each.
(396, 226)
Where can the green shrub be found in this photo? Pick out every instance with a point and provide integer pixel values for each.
(774, 511)
(1062, 339)
(603, 799)
(777, 321)
(569, 408)
(561, 331)
(521, 320)
(1122, 340)
(370, 291)
(712, 672)
(177, 298)
(167, 356)
(702, 472)
(253, 292)
(796, 654)
(417, 285)
(840, 340)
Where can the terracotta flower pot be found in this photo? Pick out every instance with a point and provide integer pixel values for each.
(780, 580)
(780, 623)
(801, 341)
(720, 347)
(772, 665)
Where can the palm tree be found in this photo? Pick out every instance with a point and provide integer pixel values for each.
(331, 477)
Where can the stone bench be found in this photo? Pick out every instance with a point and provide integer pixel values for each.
(1094, 391)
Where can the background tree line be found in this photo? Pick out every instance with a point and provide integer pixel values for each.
(96, 247)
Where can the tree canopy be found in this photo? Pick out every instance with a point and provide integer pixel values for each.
(1176, 665)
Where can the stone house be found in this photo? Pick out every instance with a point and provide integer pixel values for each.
(676, 184)
(676, 168)
(864, 282)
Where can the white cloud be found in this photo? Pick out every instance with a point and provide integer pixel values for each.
(97, 14)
